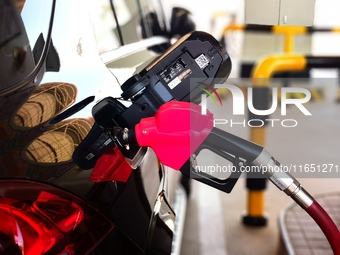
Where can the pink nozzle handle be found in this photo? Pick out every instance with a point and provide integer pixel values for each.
(175, 132)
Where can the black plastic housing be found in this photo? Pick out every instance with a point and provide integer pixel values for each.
(197, 55)
(236, 150)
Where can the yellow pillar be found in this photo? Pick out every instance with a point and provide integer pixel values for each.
(264, 70)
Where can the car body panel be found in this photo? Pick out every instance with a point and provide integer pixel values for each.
(131, 206)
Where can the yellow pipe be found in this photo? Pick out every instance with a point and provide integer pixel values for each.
(219, 14)
(285, 30)
(338, 98)
(232, 27)
(258, 135)
(267, 66)
(256, 203)
(289, 30)
(265, 69)
(316, 95)
(289, 33)
(289, 43)
(335, 29)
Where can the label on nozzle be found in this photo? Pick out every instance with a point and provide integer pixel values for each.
(179, 79)
(202, 61)
(175, 73)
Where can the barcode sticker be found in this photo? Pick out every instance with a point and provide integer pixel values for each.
(174, 83)
(202, 61)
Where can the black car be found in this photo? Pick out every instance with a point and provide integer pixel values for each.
(49, 205)
(55, 69)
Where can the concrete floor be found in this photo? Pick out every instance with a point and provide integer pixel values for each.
(213, 220)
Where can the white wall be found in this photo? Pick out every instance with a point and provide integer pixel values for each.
(203, 11)
(327, 13)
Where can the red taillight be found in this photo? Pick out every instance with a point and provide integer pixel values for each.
(37, 218)
(11, 239)
(65, 214)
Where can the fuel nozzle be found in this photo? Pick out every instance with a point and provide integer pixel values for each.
(179, 130)
(282, 179)
(174, 133)
(127, 143)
